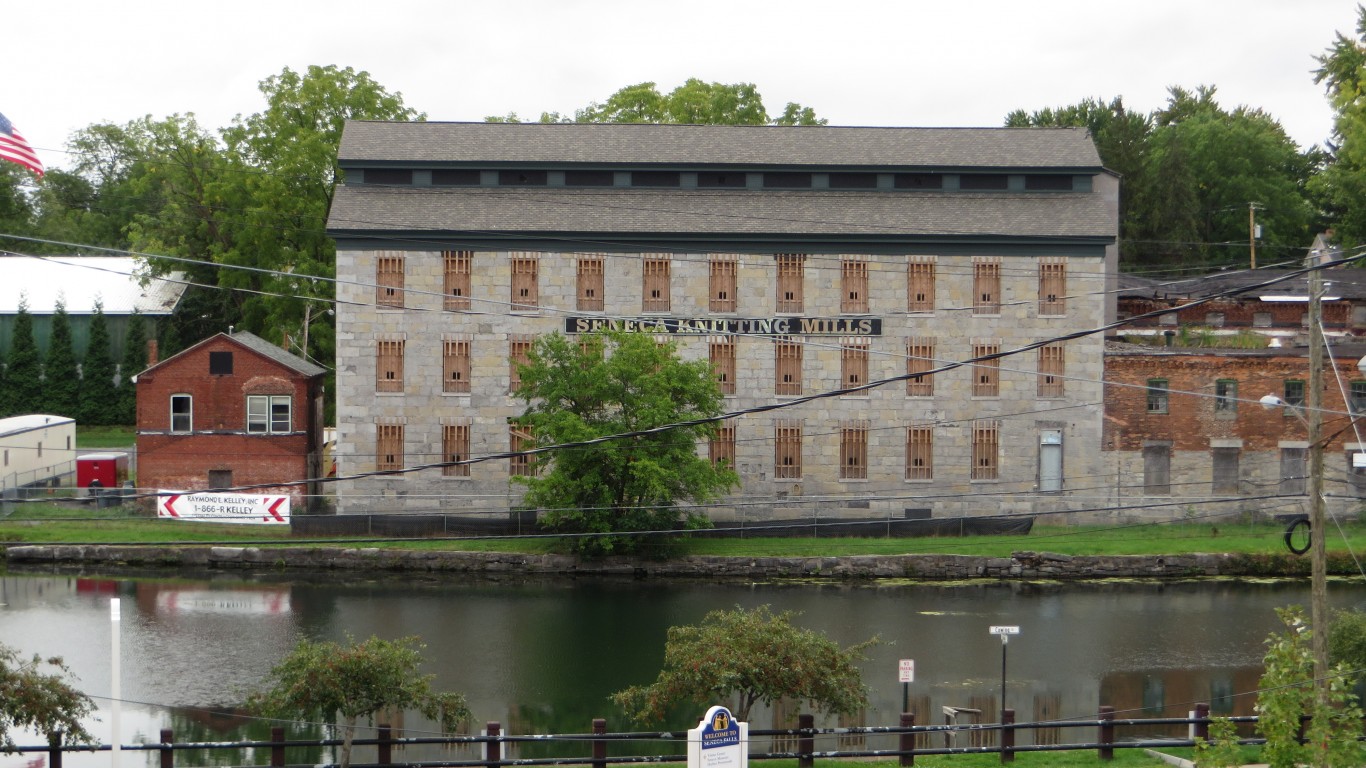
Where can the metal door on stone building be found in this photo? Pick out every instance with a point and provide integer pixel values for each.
(1050, 460)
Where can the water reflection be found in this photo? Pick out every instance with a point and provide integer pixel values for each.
(541, 656)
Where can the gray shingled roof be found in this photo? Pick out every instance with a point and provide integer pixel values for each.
(653, 212)
(1340, 282)
(279, 355)
(620, 145)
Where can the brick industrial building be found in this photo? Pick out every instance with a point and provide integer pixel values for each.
(797, 260)
(232, 410)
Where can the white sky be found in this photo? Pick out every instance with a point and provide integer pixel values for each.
(856, 62)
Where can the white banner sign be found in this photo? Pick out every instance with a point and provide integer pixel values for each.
(224, 508)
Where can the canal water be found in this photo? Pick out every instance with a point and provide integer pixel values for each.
(542, 656)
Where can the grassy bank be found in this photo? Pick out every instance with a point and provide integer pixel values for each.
(105, 437)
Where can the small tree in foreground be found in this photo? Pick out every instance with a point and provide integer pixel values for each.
(39, 701)
(325, 680)
(756, 655)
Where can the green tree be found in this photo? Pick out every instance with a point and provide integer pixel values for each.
(98, 398)
(23, 391)
(1288, 691)
(61, 377)
(757, 656)
(328, 680)
(1341, 185)
(134, 360)
(40, 701)
(1347, 640)
(607, 384)
(694, 102)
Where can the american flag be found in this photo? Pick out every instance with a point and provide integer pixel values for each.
(14, 149)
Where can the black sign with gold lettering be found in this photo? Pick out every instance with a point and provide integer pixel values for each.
(763, 326)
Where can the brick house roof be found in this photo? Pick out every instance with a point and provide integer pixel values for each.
(260, 346)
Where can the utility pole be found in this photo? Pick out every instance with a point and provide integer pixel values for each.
(1317, 518)
(1252, 234)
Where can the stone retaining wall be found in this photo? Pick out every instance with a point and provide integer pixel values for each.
(1020, 565)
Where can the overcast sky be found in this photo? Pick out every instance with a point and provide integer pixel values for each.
(856, 62)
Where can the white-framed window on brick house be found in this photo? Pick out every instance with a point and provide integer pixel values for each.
(721, 352)
(457, 268)
(270, 414)
(986, 374)
(787, 366)
(721, 448)
(920, 284)
(182, 413)
(854, 450)
(656, 273)
(1157, 468)
(986, 450)
(854, 285)
(791, 278)
(787, 450)
(1052, 287)
(1226, 398)
(1052, 369)
(919, 359)
(1356, 397)
(455, 364)
(519, 352)
(722, 283)
(389, 279)
(919, 453)
(455, 447)
(1158, 396)
(590, 289)
(526, 282)
(986, 285)
(388, 446)
(389, 365)
(519, 439)
(854, 362)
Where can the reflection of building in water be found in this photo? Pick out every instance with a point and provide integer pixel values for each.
(1175, 692)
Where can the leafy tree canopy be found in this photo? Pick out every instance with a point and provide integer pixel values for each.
(1341, 185)
(755, 655)
(23, 392)
(614, 383)
(695, 102)
(329, 680)
(38, 700)
(61, 380)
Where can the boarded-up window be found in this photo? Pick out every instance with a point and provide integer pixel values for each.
(1356, 475)
(458, 266)
(525, 282)
(1052, 287)
(722, 284)
(519, 352)
(1052, 366)
(787, 366)
(455, 365)
(919, 359)
(1225, 464)
(1157, 395)
(455, 447)
(919, 453)
(986, 449)
(986, 374)
(986, 286)
(791, 274)
(722, 447)
(1294, 470)
(854, 450)
(920, 284)
(787, 458)
(389, 280)
(590, 283)
(721, 350)
(388, 446)
(389, 366)
(853, 362)
(519, 440)
(853, 285)
(1226, 398)
(1157, 469)
(656, 284)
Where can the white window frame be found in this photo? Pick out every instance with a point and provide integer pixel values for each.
(263, 421)
(188, 415)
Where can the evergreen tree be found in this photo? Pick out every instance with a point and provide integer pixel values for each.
(134, 360)
(23, 392)
(99, 398)
(61, 378)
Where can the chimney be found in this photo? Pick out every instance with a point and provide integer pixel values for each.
(151, 352)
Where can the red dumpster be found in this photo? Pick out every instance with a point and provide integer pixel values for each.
(107, 470)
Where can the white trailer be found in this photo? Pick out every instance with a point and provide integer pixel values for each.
(36, 450)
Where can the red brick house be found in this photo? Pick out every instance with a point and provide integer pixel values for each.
(233, 410)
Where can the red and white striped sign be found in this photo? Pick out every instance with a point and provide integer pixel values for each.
(224, 508)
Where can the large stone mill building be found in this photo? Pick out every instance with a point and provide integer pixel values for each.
(798, 260)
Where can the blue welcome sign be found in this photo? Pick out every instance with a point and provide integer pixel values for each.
(719, 741)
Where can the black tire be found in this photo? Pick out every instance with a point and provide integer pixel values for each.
(1291, 535)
